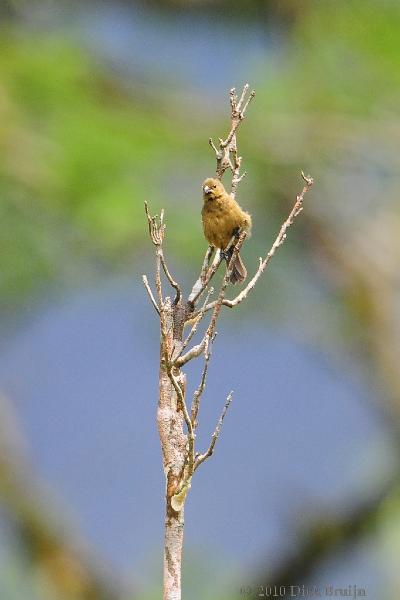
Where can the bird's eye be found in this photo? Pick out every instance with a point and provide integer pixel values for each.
(214, 186)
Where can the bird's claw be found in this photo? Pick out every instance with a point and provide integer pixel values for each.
(225, 255)
(236, 232)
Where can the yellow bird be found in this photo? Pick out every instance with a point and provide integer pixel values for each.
(223, 218)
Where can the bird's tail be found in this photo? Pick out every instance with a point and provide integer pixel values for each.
(239, 271)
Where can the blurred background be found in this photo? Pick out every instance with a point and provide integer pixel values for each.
(104, 105)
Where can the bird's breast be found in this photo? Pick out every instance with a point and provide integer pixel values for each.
(219, 222)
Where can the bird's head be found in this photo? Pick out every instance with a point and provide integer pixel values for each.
(213, 188)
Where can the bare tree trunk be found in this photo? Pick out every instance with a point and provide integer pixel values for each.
(173, 543)
(173, 439)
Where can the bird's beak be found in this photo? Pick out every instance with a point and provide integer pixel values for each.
(206, 189)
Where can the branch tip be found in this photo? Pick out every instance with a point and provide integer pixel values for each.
(226, 155)
(202, 457)
(308, 179)
(244, 91)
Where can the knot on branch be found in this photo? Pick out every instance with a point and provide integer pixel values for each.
(178, 499)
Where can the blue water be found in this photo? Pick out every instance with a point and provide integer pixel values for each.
(82, 376)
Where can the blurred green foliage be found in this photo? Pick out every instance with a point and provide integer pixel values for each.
(343, 59)
(82, 148)
(79, 158)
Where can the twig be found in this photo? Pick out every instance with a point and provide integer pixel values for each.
(199, 348)
(156, 230)
(228, 146)
(206, 261)
(197, 320)
(202, 457)
(157, 233)
(237, 178)
(219, 302)
(199, 391)
(205, 277)
(194, 352)
(213, 269)
(150, 293)
(158, 282)
(171, 280)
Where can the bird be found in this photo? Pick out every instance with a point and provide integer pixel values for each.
(223, 218)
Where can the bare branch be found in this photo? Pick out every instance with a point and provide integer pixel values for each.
(237, 115)
(160, 296)
(199, 348)
(171, 280)
(157, 233)
(242, 97)
(197, 320)
(249, 99)
(237, 178)
(199, 391)
(202, 457)
(150, 293)
(213, 146)
(233, 96)
(192, 353)
(219, 302)
(226, 154)
(205, 276)
(206, 262)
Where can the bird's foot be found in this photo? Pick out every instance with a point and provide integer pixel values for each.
(226, 255)
(236, 232)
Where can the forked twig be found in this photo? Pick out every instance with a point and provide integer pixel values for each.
(157, 234)
(226, 155)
